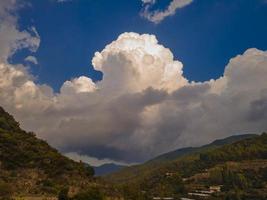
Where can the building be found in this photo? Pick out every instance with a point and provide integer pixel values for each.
(215, 188)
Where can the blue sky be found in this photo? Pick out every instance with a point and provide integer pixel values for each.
(203, 35)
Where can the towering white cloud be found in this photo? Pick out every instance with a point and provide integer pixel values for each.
(135, 62)
(157, 16)
(144, 105)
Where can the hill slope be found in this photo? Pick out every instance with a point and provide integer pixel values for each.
(189, 150)
(133, 172)
(240, 166)
(29, 165)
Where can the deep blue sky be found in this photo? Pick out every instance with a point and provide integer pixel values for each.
(204, 35)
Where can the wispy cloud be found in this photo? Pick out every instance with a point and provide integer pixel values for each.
(11, 38)
(156, 16)
(95, 161)
(31, 59)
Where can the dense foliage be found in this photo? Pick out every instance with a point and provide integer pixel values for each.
(47, 169)
(162, 179)
(243, 150)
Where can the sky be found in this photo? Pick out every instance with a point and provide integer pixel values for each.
(124, 81)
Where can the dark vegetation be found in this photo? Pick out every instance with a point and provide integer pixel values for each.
(189, 150)
(213, 166)
(170, 159)
(30, 165)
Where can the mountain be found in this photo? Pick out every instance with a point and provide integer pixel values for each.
(189, 150)
(136, 171)
(28, 165)
(107, 169)
(237, 164)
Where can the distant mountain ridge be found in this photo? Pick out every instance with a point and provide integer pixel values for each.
(112, 168)
(107, 169)
(134, 172)
(188, 150)
(237, 165)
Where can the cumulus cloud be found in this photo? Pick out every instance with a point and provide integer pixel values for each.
(140, 62)
(156, 16)
(78, 85)
(143, 107)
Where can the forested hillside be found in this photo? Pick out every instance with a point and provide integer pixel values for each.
(240, 168)
(29, 165)
(189, 150)
(133, 172)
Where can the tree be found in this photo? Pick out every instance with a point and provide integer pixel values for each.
(89, 171)
(233, 195)
(216, 176)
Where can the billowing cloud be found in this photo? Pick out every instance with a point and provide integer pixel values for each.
(135, 62)
(144, 106)
(78, 85)
(156, 16)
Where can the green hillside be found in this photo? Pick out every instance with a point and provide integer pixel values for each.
(240, 167)
(189, 150)
(133, 172)
(30, 166)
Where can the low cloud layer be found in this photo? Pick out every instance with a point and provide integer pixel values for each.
(156, 16)
(143, 107)
(95, 161)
